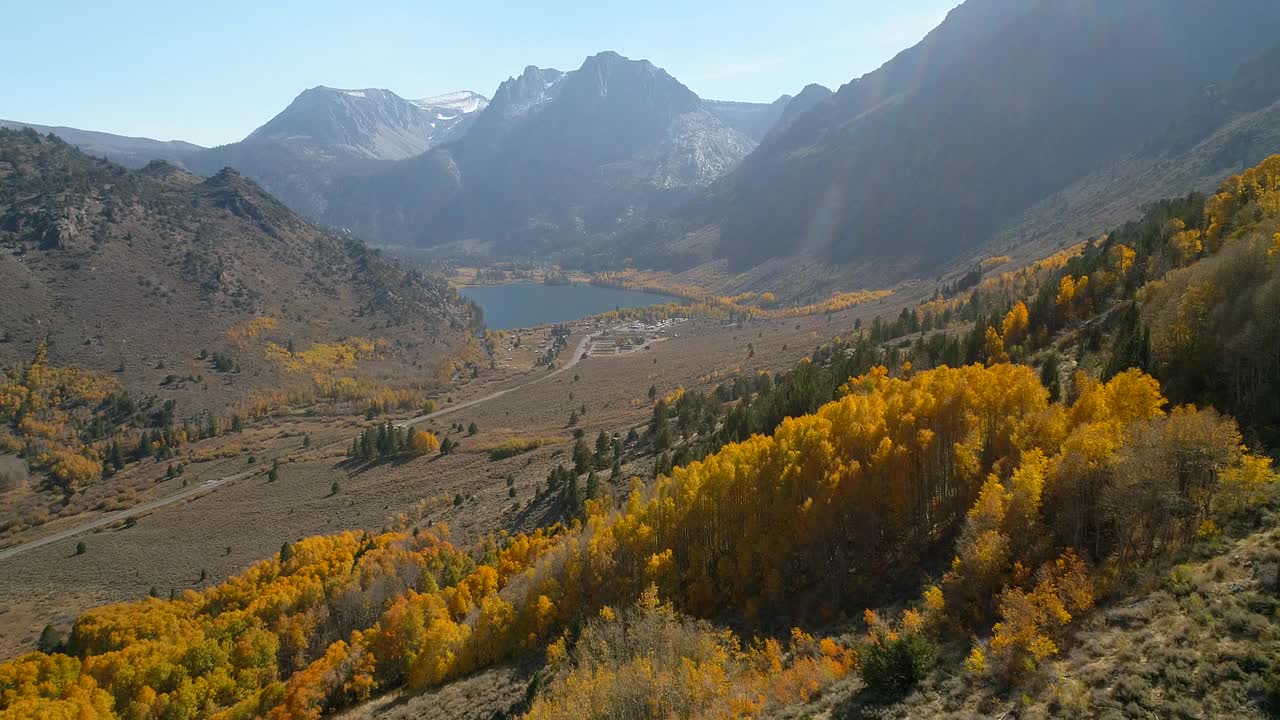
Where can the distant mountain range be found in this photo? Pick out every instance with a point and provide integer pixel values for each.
(1009, 120)
(561, 155)
(558, 158)
(324, 134)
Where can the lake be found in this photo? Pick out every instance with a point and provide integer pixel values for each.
(528, 304)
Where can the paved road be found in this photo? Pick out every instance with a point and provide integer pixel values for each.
(211, 484)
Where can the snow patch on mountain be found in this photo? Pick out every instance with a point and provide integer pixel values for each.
(462, 101)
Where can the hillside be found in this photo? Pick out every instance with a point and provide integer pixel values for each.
(1002, 105)
(117, 268)
(1228, 125)
(181, 303)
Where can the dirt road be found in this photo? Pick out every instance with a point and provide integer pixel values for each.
(210, 485)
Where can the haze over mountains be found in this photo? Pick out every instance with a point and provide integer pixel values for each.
(950, 146)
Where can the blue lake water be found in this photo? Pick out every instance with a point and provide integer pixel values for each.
(528, 304)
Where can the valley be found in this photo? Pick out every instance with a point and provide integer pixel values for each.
(218, 530)
(863, 361)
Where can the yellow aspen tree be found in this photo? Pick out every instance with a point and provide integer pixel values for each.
(1014, 327)
(1122, 258)
(1066, 297)
(995, 348)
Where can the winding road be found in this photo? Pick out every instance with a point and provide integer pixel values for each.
(209, 485)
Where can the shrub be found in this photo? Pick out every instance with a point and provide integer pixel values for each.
(1181, 581)
(50, 640)
(892, 663)
(513, 447)
(74, 471)
(423, 443)
(1133, 689)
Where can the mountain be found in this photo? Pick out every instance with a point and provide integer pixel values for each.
(1002, 105)
(1227, 126)
(133, 152)
(555, 159)
(328, 133)
(370, 123)
(139, 272)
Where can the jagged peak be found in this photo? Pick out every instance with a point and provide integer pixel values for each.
(530, 87)
(602, 73)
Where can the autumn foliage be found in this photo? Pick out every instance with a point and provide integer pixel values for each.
(649, 661)
(43, 409)
(806, 520)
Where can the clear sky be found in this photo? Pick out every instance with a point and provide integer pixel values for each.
(210, 73)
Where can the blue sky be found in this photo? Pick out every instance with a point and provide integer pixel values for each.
(211, 72)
